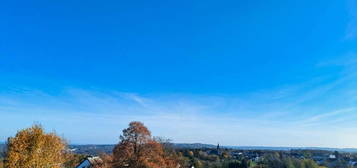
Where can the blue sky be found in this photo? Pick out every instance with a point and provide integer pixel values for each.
(267, 73)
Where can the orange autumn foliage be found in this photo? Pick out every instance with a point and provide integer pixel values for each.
(137, 149)
(33, 148)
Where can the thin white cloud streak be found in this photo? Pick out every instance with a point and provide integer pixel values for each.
(307, 114)
(337, 117)
(94, 117)
(319, 117)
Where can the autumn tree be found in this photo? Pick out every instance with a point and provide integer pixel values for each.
(1, 163)
(33, 148)
(137, 149)
(171, 157)
(107, 160)
(72, 159)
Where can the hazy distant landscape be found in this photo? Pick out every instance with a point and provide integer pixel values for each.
(95, 149)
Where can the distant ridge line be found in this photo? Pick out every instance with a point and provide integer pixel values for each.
(211, 146)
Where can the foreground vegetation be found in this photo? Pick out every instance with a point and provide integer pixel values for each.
(34, 148)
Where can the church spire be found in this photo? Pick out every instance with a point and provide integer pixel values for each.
(218, 149)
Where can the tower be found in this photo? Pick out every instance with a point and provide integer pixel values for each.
(218, 150)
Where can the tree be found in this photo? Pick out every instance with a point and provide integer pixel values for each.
(170, 155)
(307, 163)
(1, 163)
(137, 149)
(72, 160)
(33, 148)
(107, 160)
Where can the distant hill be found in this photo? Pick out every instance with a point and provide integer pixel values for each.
(2, 149)
(350, 150)
(95, 149)
(91, 149)
(199, 145)
(194, 145)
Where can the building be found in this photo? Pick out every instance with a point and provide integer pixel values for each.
(91, 162)
(332, 156)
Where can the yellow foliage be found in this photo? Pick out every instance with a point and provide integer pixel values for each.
(33, 148)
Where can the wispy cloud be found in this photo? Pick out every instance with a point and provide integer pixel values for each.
(86, 116)
(293, 115)
(333, 116)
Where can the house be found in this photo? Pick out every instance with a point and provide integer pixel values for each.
(352, 163)
(91, 162)
(332, 156)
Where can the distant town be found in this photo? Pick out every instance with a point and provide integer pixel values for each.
(205, 153)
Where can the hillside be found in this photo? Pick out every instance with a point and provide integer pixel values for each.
(95, 149)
